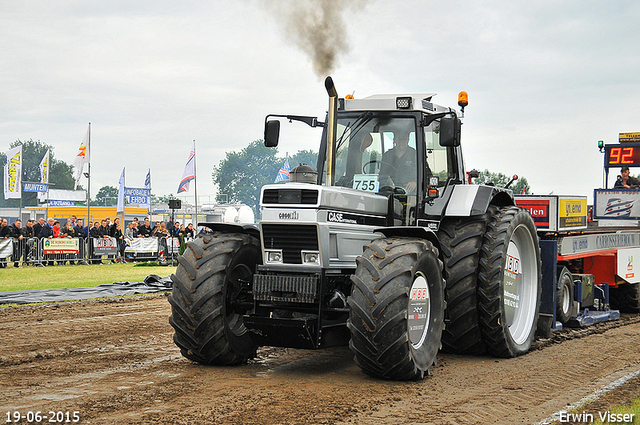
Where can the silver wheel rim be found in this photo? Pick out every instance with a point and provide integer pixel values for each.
(419, 311)
(565, 299)
(520, 284)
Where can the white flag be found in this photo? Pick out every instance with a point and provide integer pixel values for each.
(44, 175)
(120, 207)
(44, 168)
(189, 171)
(82, 157)
(13, 174)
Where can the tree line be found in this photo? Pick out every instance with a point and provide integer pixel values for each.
(239, 176)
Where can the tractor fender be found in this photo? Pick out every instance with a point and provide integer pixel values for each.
(410, 231)
(471, 199)
(249, 229)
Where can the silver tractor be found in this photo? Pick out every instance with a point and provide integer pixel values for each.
(386, 248)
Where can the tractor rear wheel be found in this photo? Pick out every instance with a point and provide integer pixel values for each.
(460, 242)
(213, 277)
(509, 282)
(397, 308)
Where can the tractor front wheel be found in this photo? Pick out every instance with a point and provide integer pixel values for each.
(213, 278)
(397, 308)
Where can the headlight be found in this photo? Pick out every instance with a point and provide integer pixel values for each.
(403, 102)
(311, 257)
(273, 256)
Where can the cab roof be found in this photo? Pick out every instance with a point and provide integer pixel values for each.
(392, 102)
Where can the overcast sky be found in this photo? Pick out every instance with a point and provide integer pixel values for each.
(546, 80)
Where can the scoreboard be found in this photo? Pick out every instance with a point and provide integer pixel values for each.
(623, 154)
(626, 153)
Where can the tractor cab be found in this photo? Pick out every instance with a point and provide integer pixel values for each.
(399, 153)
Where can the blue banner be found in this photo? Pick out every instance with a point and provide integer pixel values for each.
(136, 195)
(62, 204)
(35, 187)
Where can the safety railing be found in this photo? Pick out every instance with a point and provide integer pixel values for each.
(63, 251)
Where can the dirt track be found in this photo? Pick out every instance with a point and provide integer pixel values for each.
(114, 362)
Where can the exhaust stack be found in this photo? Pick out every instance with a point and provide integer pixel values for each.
(332, 129)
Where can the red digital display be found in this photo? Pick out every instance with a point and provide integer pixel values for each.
(622, 155)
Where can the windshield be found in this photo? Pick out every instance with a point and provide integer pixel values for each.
(376, 153)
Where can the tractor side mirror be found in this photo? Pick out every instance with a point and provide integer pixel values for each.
(450, 131)
(271, 133)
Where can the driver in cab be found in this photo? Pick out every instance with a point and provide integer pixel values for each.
(399, 163)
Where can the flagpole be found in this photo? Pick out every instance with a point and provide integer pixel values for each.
(195, 182)
(21, 181)
(145, 185)
(21, 185)
(124, 207)
(89, 179)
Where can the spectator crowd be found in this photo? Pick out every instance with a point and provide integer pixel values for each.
(75, 228)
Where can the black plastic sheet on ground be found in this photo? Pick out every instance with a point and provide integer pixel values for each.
(152, 283)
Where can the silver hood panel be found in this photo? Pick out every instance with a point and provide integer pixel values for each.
(328, 197)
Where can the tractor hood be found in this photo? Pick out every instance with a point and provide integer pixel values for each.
(302, 195)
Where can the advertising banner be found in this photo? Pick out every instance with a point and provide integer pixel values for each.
(35, 187)
(44, 176)
(139, 196)
(6, 248)
(62, 204)
(105, 246)
(627, 265)
(44, 168)
(556, 213)
(173, 245)
(13, 174)
(572, 212)
(540, 210)
(68, 195)
(142, 245)
(61, 246)
(82, 157)
(590, 243)
(617, 204)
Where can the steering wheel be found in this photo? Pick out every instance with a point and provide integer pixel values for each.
(377, 161)
(389, 190)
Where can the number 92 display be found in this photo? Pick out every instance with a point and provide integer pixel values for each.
(622, 155)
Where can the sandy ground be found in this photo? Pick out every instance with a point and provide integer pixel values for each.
(114, 362)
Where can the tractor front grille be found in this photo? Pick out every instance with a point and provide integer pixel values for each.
(287, 288)
(291, 239)
(290, 196)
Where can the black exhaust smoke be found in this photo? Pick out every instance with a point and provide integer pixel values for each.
(316, 27)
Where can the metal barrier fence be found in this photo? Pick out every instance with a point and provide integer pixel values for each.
(62, 251)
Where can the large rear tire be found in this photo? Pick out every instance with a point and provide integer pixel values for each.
(625, 297)
(509, 282)
(397, 308)
(214, 274)
(460, 242)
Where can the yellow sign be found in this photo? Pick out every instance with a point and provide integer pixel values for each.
(629, 137)
(572, 212)
(61, 246)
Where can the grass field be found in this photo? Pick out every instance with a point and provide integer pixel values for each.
(631, 411)
(29, 277)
